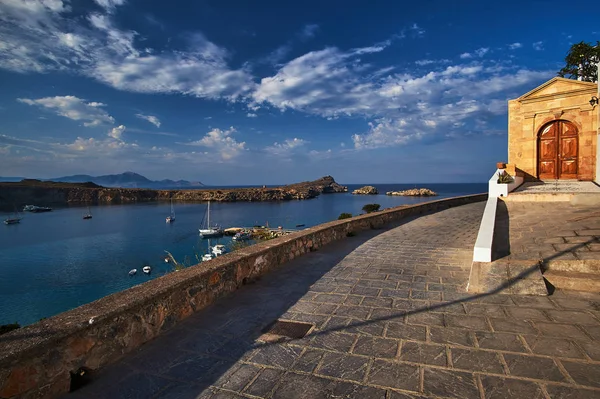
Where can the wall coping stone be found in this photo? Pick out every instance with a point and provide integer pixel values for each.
(49, 349)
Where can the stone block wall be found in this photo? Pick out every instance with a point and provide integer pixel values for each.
(37, 361)
(557, 99)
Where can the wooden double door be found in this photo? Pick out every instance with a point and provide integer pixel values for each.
(557, 151)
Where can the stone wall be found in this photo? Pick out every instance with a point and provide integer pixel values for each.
(557, 99)
(37, 361)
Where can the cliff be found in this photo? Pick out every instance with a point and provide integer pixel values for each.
(46, 193)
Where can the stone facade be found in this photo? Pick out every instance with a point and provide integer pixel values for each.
(559, 100)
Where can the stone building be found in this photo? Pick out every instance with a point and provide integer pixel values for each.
(553, 131)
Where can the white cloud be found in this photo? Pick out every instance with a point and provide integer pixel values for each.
(117, 132)
(37, 37)
(251, 115)
(109, 5)
(74, 108)
(222, 142)
(482, 51)
(402, 107)
(286, 147)
(515, 46)
(150, 118)
(538, 46)
(466, 55)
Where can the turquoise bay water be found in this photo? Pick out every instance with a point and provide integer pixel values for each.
(52, 262)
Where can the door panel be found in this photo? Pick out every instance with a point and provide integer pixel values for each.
(557, 151)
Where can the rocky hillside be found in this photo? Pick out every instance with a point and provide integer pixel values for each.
(46, 193)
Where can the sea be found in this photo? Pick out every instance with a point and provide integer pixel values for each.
(55, 261)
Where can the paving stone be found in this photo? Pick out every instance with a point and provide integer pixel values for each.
(516, 326)
(356, 312)
(137, 385)
(500, 341)
(592, 349)
(335, 341)
(281, 356)
(394, 375)
(337, 323)
(427, 318)
(527, 314)
(593, 331)
(377, 302)
(265, 382)
(378, 347)
(418, 352)
(380, 314)
(583, 373)
(347, 367)
(325, 308)
(365, 291)
(196, 368)
(451, 336)
(533, 302)
(406, 331)
(476, 360)
(533, 367)
(573, 317)
(506, 388)
(554, 347)
(570, 392)
(296, 386)
(237, 377)
(316, 319)
(309, 360)
(467, 322)
(450, 384)
(366, 328)
(561, 331)
(180, 390)
(400, 293)
(330, 298)
(496, 311)
(353, 300)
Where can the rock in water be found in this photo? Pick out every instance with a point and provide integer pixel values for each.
(366, 190)
(414, 192)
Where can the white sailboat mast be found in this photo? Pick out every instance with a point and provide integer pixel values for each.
(208, 212)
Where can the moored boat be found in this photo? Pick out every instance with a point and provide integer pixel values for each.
(36, 209)
(171, 217)
(132, 272)
(218, 249)
(242, 236)
(147, 269)
(208, 231)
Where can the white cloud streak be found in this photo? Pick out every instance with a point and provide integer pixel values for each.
(150, 118)
(221, 142)
(77, 109)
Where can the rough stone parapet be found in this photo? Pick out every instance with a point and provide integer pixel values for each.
(37, 360)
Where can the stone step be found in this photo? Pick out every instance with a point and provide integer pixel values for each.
(566, 280)
(577, 266)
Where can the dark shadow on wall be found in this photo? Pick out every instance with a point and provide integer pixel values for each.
(501, 243)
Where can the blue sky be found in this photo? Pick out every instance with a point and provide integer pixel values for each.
(269, 92)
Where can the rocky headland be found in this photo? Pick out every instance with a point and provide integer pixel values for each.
(366, 190)
(38, 192)
(414, 192)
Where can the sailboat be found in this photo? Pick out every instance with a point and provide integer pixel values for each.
(13, 219)
(171, 217)
(207, 231)
(88, 215)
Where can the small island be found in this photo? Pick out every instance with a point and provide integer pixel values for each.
(414, 192)
(366, 190)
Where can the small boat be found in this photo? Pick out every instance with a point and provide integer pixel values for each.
(88, 215)
(206, 257)
(242, 236)
(171, 217)
(218, 249)
(166, 259)
(132, 272)
(13, 219)
(147, 269)
(36, 209)
(300, 225)
(207, 231)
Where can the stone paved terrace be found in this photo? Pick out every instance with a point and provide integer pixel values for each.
(392, 321)
(551, 230)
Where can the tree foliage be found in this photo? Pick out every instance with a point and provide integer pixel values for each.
(581, 62)
(371, 208)
(344, 215)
